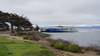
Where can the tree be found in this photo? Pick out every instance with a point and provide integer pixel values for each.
(15, 20)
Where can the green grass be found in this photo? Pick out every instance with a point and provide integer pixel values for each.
(21, 48)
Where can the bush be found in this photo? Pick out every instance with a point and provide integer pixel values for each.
(20, 33)
(58, 45)
(66, 46)
(72, 48)
(32, 35)
(31, 38)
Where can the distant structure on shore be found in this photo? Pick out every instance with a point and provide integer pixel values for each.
(58, 29)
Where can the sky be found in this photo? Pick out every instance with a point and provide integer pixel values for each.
(55, 12)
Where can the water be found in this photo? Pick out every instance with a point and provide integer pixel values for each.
(85, 37)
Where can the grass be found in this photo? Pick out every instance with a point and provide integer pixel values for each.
(21, 48)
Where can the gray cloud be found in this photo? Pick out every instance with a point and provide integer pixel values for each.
(55, 11)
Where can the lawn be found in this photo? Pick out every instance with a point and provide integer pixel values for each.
(10, 47)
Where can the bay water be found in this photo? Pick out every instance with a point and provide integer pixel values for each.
(84, 37)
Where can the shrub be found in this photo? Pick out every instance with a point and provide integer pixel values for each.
(72, 48)
(20, 33)
(65, 46)
(32, 35)
(31, 38)
(58, 45)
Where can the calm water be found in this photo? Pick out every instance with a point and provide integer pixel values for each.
(85, 37)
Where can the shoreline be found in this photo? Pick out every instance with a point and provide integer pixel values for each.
(44, 42)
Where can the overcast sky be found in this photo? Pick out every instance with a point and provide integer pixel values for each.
(52, 12)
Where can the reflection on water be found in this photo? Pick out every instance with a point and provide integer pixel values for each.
(83, 38)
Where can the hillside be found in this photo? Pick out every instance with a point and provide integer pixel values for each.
(9, 47)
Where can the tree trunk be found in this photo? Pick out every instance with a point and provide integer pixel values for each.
(12, 29)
